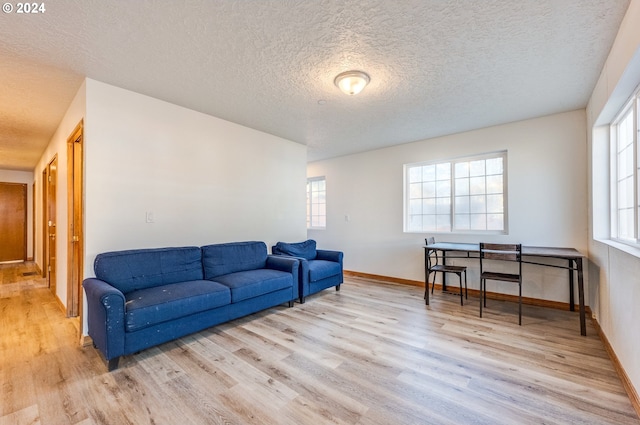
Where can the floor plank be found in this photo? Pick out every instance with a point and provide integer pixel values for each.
(372, 353)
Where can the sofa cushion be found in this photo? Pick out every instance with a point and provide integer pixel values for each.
(320, 269)
(253, 283)
(146, 268)
(306, 249)
(147, 307)
(226, 258)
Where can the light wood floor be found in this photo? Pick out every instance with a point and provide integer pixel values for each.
(372, 353)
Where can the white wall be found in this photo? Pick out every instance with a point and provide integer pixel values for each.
(58, 146)
(547, 196)
(615, 269)
(23, 177)
(205, 180)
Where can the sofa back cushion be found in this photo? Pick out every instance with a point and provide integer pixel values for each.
(306, 249)
(226, 258)
(145, 268)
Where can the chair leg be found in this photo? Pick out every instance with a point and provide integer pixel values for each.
(460, 277)
(433, 284)
(485, 293)
(480, 298)
(466, 294)
(520, 304)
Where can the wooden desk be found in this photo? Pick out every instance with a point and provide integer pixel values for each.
(571, 255)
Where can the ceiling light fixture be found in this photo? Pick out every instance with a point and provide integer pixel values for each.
(352, 82)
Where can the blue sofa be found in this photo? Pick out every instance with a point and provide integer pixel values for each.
(319, 269)
(145, 297)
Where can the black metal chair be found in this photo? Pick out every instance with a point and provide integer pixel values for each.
(435, 264)
(500, 252)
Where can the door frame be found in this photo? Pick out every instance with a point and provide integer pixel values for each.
(49, 198)
(75, 221)
(45, 214)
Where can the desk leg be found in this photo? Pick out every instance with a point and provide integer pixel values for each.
(444, 275)
(583, 324)
(572, 304)
(426, 276)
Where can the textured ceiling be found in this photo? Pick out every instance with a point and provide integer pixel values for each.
(437, 67)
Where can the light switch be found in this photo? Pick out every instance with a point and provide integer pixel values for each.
(150, 218)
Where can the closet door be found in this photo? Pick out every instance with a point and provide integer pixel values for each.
(13, 222)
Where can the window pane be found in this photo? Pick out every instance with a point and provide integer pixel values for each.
(462, 186)
(462, 169)
(415, 190)
(625, 223)
(478, 222)
(443, 171)
(415, 174)
(462, 204)
(443, 188)
(494, 204)
(494, 166)
(477, 204)
(625, 193)
(415, 223)
(429, 190)
(429, 206)
(476, 168)
(316, 202)
(462, 222)
(495, 221)
(415, 206)
(477, 185)
(443, 205)
(429, 222)
(429, 173)
(494, 184)
(443, 223)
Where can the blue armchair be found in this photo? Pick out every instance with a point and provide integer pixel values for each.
(319, 269)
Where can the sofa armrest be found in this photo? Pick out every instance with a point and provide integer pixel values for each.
(335, 256)
(105, 317)
(286, 264)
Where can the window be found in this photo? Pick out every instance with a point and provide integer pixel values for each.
(461, 195)
(316, 203)
(624, 172)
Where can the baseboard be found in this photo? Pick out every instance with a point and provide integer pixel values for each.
(61, 306)
(473, 292)
(383, 278)
(626, 382)
(85, 341)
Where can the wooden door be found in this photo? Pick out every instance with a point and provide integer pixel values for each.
(75, 220)
(13, 222)
(45, 219)
(52, 180)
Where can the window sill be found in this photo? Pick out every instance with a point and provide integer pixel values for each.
(629, 249)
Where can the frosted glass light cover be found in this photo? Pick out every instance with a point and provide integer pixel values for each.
(352, 82)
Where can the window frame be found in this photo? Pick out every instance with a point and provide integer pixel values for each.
(631, 108)
(310, 204)
(453, 228)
